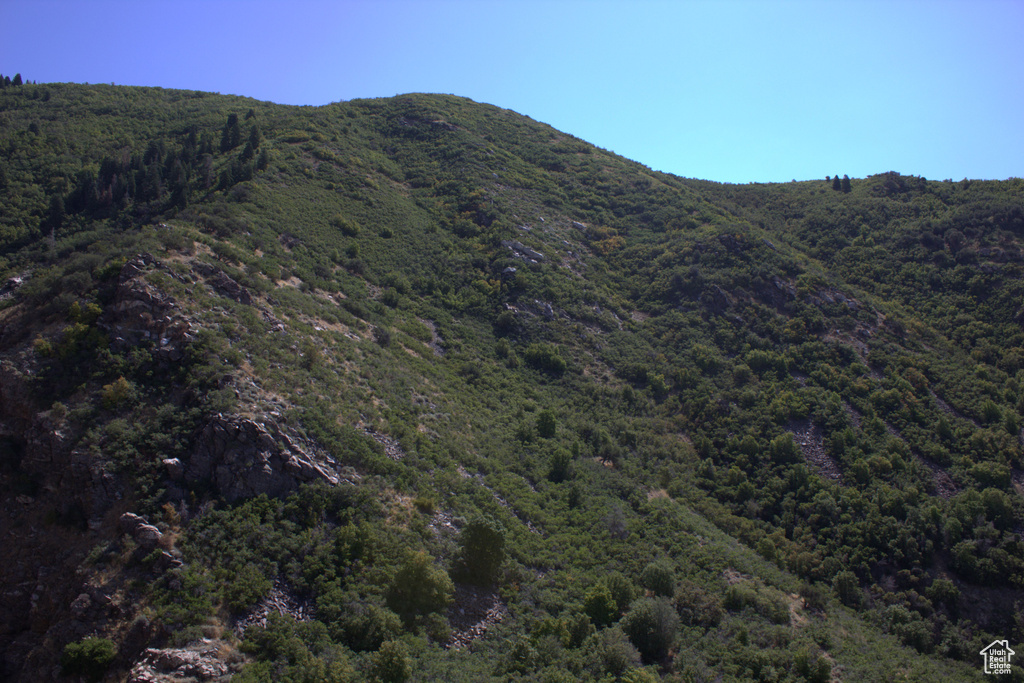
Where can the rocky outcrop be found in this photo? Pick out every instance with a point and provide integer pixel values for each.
(142, 314)
(223, 284)
(145, 534)
(474, 610)
(520, 250)
(172, 666)
(241, 458)
(281, 599)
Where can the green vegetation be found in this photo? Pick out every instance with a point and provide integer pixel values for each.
(676, 430)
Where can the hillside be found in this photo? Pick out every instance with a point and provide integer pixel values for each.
(422, 389)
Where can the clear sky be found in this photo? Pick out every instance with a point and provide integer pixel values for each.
(733, 90)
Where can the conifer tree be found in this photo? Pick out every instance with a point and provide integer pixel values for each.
(836, 185)
(231, 135)
(846, 183)
(55, 217)
(17, 79)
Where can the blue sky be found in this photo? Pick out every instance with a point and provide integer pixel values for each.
(733, 90)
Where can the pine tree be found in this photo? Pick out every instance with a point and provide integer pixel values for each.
(846, 183)
(255, 138)
(836, 185)
(55, 216)
(17, 79)
(231, 135)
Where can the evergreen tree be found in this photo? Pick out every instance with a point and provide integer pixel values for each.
(248, 152)
(263, 161)
(255, 138)
(836, 185)
(231, 135)
(55, 216)
(482, 550)
(846, 183)
(17, 79)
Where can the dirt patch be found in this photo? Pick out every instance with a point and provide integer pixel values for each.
(796, 604)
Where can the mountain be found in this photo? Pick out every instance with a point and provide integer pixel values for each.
(422, 389)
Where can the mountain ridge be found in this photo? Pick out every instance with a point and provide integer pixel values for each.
(733, 404)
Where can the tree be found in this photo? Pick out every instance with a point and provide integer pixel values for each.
(55, 216)
(651, 626)
(231, 135)
(546, 424)
(17, 79)
(599, 605)
(419, 587)
(836, 184)
(255, 138)
(845, 184)
(847, 588)
(263, 161)
(481, 551)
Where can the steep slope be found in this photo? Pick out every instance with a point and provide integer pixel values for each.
(328, 360)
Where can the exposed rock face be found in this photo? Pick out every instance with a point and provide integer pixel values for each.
(140, 313)
(244, 458)
(171, 666)
(223, 284)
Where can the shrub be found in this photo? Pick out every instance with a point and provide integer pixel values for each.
(89, 658)
(346, 225)
(659, 578)
(392, 663)
(545, 357)
(419, 587)
(117, 393)
(696, 606)
(613, 651)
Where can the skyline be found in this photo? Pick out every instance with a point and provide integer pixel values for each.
(736, 91)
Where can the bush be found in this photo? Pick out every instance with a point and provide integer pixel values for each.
(89, 658)
(545, 357)
(659, 578)
(392, 663)
(651, 626)
(419, 587)
(347, 226)
(696, 606)
(612, 650)
(599, 605)
(367, 627)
